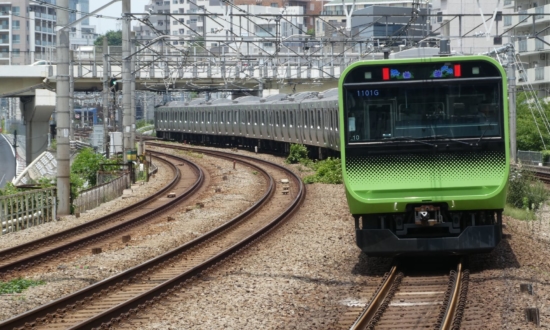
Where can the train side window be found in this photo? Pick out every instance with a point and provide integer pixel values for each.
(312, 119)
(306, 119)
(263, 118)
(256, 117)
(277, 119)
(249, 116)
(229, 117)
(291, 118)
(236, 117)
(209, 116)
(319, 121)
(284, 118)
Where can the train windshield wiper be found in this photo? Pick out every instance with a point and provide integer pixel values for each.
(409, 139)
(450, 139)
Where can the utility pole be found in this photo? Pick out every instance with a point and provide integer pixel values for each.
(512, 103)
(15, 151)
(133, 93)
(106, 104)
(71, 97)
(62, 109)
(126, 80)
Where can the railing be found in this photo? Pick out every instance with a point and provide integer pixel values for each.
(539, 73)
(522, 45)
(93, 197)
(530, 157)
(539, 11)
(23, 210)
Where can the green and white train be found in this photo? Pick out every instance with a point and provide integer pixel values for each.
(423, 142)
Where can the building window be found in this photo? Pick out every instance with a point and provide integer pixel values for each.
(311, 6)
(182, 31)
(274, 5)
(15, 25)
(175, 23)
(16, 39)
(268, 44)
(174, 32)
(15, 52)
(15, 10)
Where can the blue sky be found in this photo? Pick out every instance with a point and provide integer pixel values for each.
(104, 24)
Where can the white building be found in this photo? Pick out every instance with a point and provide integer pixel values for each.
(534, 53)
(468, 31)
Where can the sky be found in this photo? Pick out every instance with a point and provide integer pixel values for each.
(115, 10)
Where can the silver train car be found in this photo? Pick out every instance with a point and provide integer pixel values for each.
(272, 123)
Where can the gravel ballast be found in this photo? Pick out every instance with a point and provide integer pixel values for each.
(304, 275)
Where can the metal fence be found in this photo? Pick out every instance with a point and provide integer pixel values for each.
(26, 209)
(530, 157)
(93, 197)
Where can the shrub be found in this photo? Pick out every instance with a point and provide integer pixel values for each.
(327, 171)
(524, 190)
(298, 153)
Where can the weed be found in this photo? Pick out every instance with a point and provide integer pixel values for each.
(18, 285)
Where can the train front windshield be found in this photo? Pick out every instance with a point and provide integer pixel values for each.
(422, 110)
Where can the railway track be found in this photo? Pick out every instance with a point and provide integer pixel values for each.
(406, 300)
(25, 256)
(124, 295)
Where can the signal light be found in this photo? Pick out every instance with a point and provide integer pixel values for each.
(386, 73)
(458, 70)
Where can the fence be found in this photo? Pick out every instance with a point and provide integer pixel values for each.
(26, 209)
(530, 157)
(93, 197)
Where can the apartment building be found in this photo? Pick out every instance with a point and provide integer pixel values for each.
(461, 22)
(534, 53)
(203, 21)
(27, 31)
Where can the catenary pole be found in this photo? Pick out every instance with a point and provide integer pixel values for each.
(126, 79)
(62, 110)
(512, 103)
(105, 96)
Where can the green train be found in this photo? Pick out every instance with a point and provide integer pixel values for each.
(425, 154)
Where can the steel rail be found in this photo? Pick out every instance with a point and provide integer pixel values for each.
(368, 314)
(452, 307)
(50, 253)
(59, 307)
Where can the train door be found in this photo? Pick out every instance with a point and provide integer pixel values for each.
(276, 123)
(255, 123)
(292, 123)
(319, 124)
(249, 122)
(263, 122)
(336, 119)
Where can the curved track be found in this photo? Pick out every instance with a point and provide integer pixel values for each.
(35, 252)
(124, 295)
(416, 301)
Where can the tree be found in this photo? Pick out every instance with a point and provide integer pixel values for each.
(114, 38)
(528, 137)
(86, 165)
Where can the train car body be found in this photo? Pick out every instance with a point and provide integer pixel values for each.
(425, 154)
(272, 123)
(423, 143)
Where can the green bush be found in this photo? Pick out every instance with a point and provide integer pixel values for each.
(298, 153)
(524, 190)
(327, 171)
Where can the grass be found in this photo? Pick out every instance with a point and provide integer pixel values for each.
(18, 285)
(519, 214)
